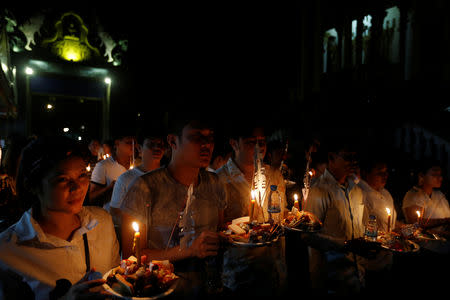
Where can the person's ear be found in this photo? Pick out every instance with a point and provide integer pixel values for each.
(172, 140)
(233, 144)
(331, 156)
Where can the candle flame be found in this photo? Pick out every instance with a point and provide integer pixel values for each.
(310, 173)
(418, 213)
(88, 168)
(388, 211)
(295, 197)
(131, 166)
(135, 226)
(253, 193)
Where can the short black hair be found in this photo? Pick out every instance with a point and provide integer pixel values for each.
(178, 120)
(337, 141)
(243, 125)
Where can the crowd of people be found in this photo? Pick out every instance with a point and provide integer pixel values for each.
(67, 210)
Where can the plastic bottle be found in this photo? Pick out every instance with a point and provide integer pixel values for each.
(371, 231)
(274, 205)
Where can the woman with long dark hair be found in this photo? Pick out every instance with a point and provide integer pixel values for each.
(58, 241)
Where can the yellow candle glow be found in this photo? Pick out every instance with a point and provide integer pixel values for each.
(418, 216)
(136, 242)
(388, 219)
(296, 204)
(252, 206)
(88, 168)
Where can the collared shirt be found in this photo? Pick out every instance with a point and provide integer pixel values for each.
(41, 258)
(376, 203)
(122, 185)
(435, 207)
(105, 172)
(261, 268)
(156, 198)
(238, 189)
(341, 209)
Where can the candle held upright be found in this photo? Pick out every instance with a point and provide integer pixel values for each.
(296, 204)
(388, 219)
(252, 206)
(136, 242)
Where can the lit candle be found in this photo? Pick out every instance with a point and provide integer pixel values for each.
(252, 206)
(296, 205)
(88, 168)
(418, 216)
(136, 243)
(388, 219)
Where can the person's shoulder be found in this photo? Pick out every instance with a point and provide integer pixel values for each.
(101, 164)
(97, 212)
(209, 176)
(156, 176)
(129, 174)
(438, 194)
(412, 193)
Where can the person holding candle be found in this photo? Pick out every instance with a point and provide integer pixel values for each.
(378, 202)
(374, 175)
(251, 271)
(426, 198)
(338, 202)
(107, 171)
(57, 239)
(156, 199)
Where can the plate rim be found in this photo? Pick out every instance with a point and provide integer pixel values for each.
(301, 230)
(250, 245)
(416, 247)
(158, 296)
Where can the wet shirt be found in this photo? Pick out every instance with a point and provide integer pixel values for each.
(41, 259)
(156, 198)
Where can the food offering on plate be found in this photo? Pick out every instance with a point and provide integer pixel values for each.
(300, 220)
(150, 280)
(423, 235)
(396, 242)
(243, 233)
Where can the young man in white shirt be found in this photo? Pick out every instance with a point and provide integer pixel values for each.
(107, 171)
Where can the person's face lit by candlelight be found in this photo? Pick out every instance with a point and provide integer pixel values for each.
(64, 187)
(342, 164)
(244, 147)
(377, 176)
(194, 146)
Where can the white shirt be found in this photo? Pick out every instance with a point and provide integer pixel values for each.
(341, 211)
(435, 207)
(41, 259)
(376, 203)
(105, 172)
(122, 185)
